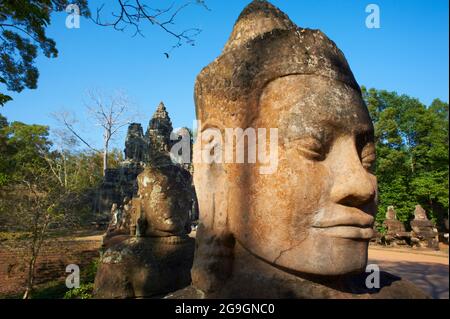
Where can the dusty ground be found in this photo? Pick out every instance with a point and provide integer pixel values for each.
(429, 270)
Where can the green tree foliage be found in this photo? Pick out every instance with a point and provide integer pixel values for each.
(21, 145)
(29, 157)
(3, 150)
(43, 189)
(82, 292)
(22, 35)
(412, 154)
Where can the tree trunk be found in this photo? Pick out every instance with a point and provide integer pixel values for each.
(26, 295)
(105, 159)
(35, 250)
(65, 170)
(105, 151)
(30, 279)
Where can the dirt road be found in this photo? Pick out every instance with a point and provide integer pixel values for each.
(428, 270)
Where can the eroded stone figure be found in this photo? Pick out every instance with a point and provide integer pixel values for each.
(165, 200)
(113, 226)
(157, 258)
(424, 232)
(390, 213)
(396, 233)
(303, 231)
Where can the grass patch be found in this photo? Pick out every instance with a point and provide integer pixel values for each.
(51, 290)
(87, 278)
(57, 289)
(14, 235)
(83, 292)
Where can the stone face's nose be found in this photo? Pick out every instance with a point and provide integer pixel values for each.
(353, 185)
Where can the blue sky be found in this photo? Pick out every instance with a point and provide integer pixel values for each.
(408, 54)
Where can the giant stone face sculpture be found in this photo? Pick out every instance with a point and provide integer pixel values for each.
(268, 235)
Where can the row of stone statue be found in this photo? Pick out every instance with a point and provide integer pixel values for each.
(423, 231)
(302, 231)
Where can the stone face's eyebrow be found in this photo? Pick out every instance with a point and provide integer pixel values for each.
(364, 129)
(350, 122)
(296, 124)
(323, 126)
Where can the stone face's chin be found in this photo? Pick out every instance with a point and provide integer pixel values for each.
(172, 225)
(172, 228)
(318, 254)
(334, 256)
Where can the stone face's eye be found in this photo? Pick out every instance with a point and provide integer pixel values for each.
(312, 148)
(368, 156)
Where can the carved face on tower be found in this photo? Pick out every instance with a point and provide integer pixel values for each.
(314, 213)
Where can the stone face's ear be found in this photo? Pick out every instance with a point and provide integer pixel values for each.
(215, 244)
(211, 177)
(212, 201)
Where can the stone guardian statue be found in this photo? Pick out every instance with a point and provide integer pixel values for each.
(302, 231)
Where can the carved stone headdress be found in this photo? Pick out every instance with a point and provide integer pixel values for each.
(264, 45)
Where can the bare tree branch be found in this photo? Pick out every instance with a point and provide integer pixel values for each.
(110, 114)
(62, 117)
(133, 12)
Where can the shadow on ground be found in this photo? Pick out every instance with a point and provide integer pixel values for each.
(431, 277)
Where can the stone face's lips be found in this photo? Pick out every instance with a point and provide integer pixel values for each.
(344, 222)
(343, 216)
(350, 232)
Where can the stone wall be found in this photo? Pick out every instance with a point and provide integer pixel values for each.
(51, 264)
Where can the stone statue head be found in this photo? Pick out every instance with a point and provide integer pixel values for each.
(314, 214)
(420, 213)
(165, 198)
(390, 213)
